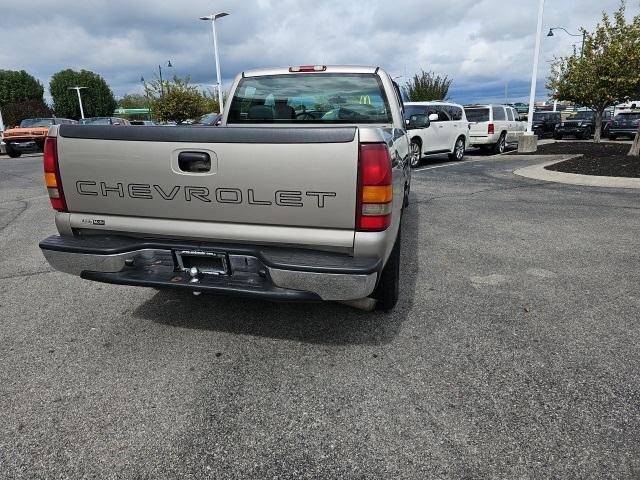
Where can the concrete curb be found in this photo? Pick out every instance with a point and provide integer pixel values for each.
(538, 172)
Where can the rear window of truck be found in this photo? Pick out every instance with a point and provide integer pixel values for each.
(477, 114)
(336, 98)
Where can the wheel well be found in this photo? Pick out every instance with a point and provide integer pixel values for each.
(418, 140)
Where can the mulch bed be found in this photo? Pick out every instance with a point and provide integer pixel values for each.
(604, 159)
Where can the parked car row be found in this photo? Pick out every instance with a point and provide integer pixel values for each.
(451, 128)
(583, 124)
(29, 136)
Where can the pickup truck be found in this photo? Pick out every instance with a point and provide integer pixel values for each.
(297, 196)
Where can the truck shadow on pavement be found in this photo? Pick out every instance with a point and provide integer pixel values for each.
(322, 323)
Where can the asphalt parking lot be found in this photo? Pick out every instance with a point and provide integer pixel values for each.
(513, 352)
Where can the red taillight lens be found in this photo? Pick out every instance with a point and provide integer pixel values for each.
(491, 129)
(52, 175)
(375, 188)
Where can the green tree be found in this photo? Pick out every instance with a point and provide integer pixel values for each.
(19, 86)
(606, 72)
(14, 113)
(97, 98)
(134, 100)
(177, 101)
(211, 100)
(425, 86)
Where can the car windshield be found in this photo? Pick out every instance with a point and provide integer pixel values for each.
(36, 122)
(477, 114)
(627, 117)
(96, 121)
(583, 116)
(310, 98)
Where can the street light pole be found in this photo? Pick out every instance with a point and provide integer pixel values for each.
(534, 75)
(212, 18)
(77, 89)
(161, 82)
(583, 35)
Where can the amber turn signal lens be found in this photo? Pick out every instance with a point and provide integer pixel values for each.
(377, 194)
(50, 180)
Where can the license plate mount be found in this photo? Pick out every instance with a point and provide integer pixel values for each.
(207, 263)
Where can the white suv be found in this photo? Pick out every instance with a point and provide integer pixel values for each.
(448, 130)
(494, 126)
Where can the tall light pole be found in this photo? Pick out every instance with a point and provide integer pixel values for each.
(583, 35)
(212, 18)
(534, 75)
(168, 64)
(77, 89)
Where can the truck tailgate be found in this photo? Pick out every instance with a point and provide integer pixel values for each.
(303, 177)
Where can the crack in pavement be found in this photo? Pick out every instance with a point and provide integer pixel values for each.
(2, 202)
(24, 206)
(31, 274)
(470, 194)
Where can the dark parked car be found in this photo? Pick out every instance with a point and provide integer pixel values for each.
(544, 123)
(580, 125)
(148, 123)
(624, 125)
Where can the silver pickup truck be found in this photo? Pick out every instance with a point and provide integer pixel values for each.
(297, 196)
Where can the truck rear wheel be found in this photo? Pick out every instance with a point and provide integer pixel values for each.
(388, 289)
(12, 152)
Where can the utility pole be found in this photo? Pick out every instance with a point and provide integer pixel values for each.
(77, 89)
(534, 75)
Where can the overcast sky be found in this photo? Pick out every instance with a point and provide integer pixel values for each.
(481, 44)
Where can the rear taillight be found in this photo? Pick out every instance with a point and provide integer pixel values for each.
(491, 129)
(375, 188)
(52, 175)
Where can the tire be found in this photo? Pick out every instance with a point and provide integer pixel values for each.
(415, 151)
(557, 136)
(612, 136)
(12, 152)
(405, 200)
(458, 150)
(388, 289)
(586, 135)
(501, 146)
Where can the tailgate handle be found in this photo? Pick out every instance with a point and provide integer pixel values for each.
(194, 162)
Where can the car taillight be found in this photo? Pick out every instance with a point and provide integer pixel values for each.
(375, 188)
(52, 175)
(491, 129)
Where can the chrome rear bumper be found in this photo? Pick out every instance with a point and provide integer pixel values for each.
(253, 273)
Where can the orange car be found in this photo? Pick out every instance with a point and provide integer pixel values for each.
(29, 136)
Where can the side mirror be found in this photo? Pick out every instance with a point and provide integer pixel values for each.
(418, 121)
(433, 117)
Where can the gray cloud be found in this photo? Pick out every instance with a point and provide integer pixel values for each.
(480, 44)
